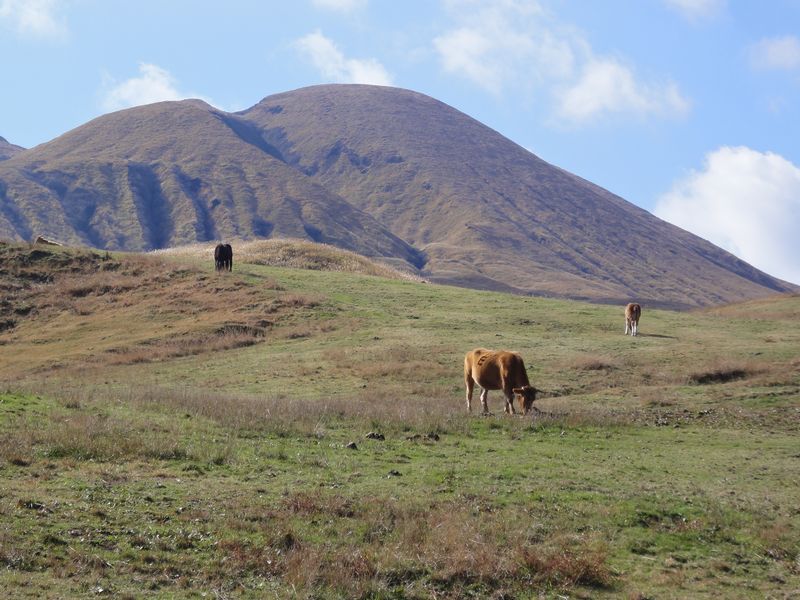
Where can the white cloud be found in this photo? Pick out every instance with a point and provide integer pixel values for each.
(33, 17)
(154, 84)
(340, 5)
(517, 46)
(746, 202)
(503, 44)
(697, 10)
(465, 51)
(781, 53)
(608, 86)
(329, 60)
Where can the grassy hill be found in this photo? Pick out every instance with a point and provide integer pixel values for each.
(171, 429)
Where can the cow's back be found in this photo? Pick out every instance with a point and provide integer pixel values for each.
(472, 360)
(491, 369)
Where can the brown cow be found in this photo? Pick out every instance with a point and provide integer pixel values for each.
(632, 313)
(498, 370)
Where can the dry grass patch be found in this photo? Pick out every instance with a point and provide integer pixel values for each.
(17, 447)
(88, 308)
(400, 362)
(448, 550)
(779, 542)
(226, 337)
(84, 436)
(272, 412)
(591, 362)
(296, 254)
(781, 307)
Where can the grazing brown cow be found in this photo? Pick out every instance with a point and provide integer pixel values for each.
(632, 313)
(223, 257)
(498, 370)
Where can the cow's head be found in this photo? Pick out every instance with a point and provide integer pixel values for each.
(527, 394)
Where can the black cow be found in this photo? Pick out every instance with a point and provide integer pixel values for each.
(223, 257)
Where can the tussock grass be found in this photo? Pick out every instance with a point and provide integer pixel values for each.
(457, 549)
(226, 337)
(591, 362)
(284, 415)
(723, 371)
(82, 436)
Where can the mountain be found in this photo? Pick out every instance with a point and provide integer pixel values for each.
(7, 149)
(487, 212)
(172, 173)
(381, 171)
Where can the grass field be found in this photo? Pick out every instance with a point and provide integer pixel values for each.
(168, 431)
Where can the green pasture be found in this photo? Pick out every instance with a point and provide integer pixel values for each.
(662, 466)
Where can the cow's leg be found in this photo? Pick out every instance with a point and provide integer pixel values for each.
(484, 401)
(470, 386)
(636, 328)
(509, 409)
(627, 324)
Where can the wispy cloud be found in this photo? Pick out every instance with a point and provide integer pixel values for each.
(340, 5)
(501, 45)
(695, 11)
(777, 53)
(153, 84)
(35, 18)
(606, 85)
(745, 201)
(335, 66)
(517, 46)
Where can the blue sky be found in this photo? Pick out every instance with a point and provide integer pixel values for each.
(687, 108)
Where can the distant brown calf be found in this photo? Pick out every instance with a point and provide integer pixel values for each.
(632, 313)
(498, 370)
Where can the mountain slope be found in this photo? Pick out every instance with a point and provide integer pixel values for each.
(487, 212)
(7, 149)
(380, 171)
(172, 173)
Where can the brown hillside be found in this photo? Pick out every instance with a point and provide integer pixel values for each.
(68, 308)
(173, 173)
(487, 212)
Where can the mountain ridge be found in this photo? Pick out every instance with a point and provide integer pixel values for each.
(381, 171)
(7, 149)
(126, 186)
